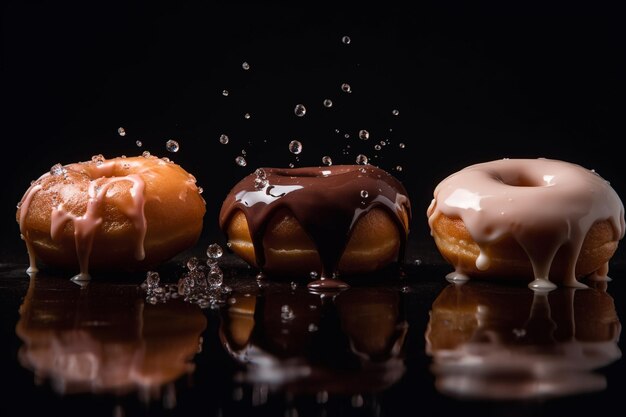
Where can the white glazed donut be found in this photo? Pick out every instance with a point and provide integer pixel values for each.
(539, 219)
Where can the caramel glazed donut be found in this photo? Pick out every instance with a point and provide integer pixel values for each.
(538, 219)
(342, 219)
(116, 214)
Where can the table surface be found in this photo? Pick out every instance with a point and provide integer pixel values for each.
(401, 343)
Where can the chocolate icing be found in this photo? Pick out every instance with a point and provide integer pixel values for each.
(326, 201)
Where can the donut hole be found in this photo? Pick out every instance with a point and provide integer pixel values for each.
(520, 180)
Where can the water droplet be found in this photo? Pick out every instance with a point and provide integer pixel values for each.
(406, 289)
(243, 152)
(192, 263)
(241, 161)
(300, 110)
(395, 112)
(245, 66)
(417, 262)
(172, 146)
(214, 251)
(295, 147)
(347, 136)
(139, 143)
(247, 116)
(121, 131)
(293, 285)
(364, 194)
(224, 139)
(401, 145)
(225, 93)
(326, 160)
(312, 327)
(313, 274)
(145, 154)
(215, 278)
(260, 276)
(364, 134)
(328, 103)
(286, 313)
(337, 131)
(361, 159)
(152, 280)
(383, 143)
(200, 190)
(98, 159)
(345, 87)
(377, 147)
(399, 168)
(291, 165)
(346, 40)
(57, 170)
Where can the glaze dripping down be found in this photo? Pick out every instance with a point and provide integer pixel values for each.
(546, 206)
(326, 201)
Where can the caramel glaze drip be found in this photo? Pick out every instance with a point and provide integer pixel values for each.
(326, 201)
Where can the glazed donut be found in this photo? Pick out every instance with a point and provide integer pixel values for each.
(540, 219)
(341, 219)
(116, 214)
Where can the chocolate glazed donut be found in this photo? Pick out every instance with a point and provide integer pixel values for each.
(327, 202)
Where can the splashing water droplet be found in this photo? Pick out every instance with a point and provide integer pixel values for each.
(313, 274)
(286, 313)
(172, 146)
(260, 173)
(246, 116)
(395, 112)
(225, 93)
(345, 87)
(399, 168)
(377, 147)
(245, 66)
(293, 285)
(401, 145)
(224, 139)
(291, 165)
(361, 159)
(383, 143)
(312, 327)
(364, 134)
(200, 190)
(326, 160)
(57, 170)
(98, 159)
(241, 161)
(346, 40)
(215, 277)
(328, 103)
(295, 147)
(121, 131)
(214, 251)
(417, 262)
(192, 263)
(347, 136)
(337, 131)
(139, 143)
(300, 110)
(364, 194)
(152, 280)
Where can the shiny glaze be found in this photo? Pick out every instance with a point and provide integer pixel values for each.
(545, 205)
(326, 201)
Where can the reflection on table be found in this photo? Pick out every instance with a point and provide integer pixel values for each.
(501, 342)
(346, 344)
(105, 338)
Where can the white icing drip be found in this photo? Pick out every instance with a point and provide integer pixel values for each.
(85, 226)
(549, 205)
(28, 197)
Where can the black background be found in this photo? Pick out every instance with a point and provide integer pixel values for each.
(471, 84)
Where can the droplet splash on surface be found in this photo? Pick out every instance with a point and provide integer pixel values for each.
(98, 159)
(172, 146)
(57, 170)
(299, 110)
(295, 147)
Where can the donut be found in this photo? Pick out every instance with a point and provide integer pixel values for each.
(107, 339)
(346, 219)
(506, 342)
(120, 214)
(542, 220)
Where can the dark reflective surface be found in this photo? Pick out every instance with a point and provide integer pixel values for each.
(404, 344)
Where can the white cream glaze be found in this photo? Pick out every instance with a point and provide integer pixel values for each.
(85, 226)
(28, 197)
(544, 204)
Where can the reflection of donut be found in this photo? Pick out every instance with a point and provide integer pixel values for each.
(506, 343)
(295, 341)
(525, 218)
(120, 214)
(350, 219)
(103, 338)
